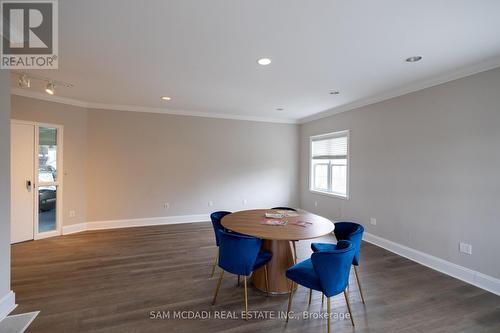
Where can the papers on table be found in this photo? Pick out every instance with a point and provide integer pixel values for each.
(280, 218)
(279, 214)
(274, 222)
(291, 214)
(301, 223)
(274, 215)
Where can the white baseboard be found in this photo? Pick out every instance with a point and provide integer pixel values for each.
(113, 224)
(74, 228)
(128, 223)
(7, 304)
(475, 278)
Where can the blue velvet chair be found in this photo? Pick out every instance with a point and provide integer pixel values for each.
(284, 208)
(293, 241)
(352, 232)
(216, 218)
(240, 255)
(325, 271)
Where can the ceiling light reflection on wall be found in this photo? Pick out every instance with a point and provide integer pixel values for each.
(166, 98)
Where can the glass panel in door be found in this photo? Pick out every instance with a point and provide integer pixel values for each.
(47, 179)
(47, 155)
(47, 201)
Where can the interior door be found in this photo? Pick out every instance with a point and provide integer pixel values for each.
(22, 177)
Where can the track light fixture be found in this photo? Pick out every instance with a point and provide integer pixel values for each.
(24, 81)
(50, 89)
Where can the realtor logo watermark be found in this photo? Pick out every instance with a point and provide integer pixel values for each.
(29, 34)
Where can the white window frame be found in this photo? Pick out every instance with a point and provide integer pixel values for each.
(311, 169)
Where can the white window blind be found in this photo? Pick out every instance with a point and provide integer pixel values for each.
(330, 148)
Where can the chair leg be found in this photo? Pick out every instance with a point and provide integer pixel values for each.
(294, 252)
(349, 307)
(215, 263)
(267, 280)
(328, 310)
(238, 280)
(290, 296)
(359, 285)
(310, 295)
(218, 286)
(246, 297)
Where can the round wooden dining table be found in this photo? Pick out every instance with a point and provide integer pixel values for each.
(277, 239)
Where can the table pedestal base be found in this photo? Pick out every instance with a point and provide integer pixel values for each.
(281, 261)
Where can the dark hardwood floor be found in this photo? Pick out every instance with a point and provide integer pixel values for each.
(110, 281)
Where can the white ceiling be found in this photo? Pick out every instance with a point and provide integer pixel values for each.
(203, 53)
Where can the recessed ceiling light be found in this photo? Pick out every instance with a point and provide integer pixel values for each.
(24, 81)
(279, 109)
(335, 92)
(264, 61)
(414, 59)
(50, 89)
(166, 98)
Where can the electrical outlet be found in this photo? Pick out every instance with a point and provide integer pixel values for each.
(166, 205)
(72, 213)
(465, 248)
(315, 204)
(210, 203)
(373, 221)
(244, 202)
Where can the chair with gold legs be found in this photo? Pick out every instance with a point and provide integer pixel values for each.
(216, 218)
(352, 232)
(241, 255)
(325, 271)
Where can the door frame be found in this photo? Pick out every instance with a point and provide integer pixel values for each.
(60, 178)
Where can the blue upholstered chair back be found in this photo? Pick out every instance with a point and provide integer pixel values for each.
(333, 267)
(285, 208)
(352, 232)
(238, 253)
(216, 218)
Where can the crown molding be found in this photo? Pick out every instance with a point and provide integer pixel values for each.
(133, 108)
(24, 92)
(420, 85)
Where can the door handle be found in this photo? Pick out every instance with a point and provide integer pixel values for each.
(28, 185)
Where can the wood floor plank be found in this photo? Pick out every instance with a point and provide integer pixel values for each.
(110, 280)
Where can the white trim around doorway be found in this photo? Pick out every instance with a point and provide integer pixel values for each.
(59, 182)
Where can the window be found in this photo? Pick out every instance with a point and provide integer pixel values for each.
(329, 169)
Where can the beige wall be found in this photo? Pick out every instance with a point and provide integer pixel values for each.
(126, 165)
(4, 185)
(426, 165)
(138, 161)
(74, 120)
